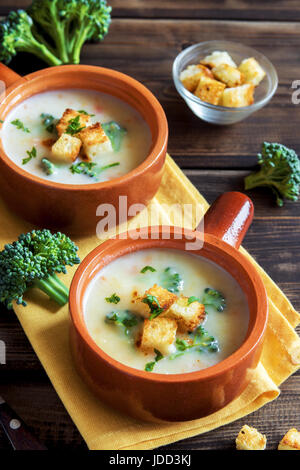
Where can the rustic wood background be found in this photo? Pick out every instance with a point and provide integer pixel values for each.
(144, 38)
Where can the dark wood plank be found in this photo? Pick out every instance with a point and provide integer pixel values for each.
(145, 49)
(194, 9)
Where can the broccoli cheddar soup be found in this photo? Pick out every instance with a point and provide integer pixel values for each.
(76, 136)
(165, 311)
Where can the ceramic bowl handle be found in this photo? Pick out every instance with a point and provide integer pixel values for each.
(8, 76)
(229, 218)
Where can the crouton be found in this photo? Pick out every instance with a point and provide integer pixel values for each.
(188, 316)
(238, 96)
(250, 439)
(159, 333)
(66, 148)
(252, 71)
(191, 75)
(227, 74)
(94, 141)
(69, 114)
(291, 440)
(164, 297)
(216, 58)
(209, 90)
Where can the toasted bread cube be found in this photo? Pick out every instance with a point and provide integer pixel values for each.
(94, 141)
(216, 58)
(164, 297)
(250, 439)
(227, 74)
(252, 71)
(209, 90)
(66, 148)
(291, 440)
(159, 333)
(69, 114)
(188, 316)
(238, 96)
(191, 75)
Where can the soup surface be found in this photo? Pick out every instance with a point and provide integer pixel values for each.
(110, 292)
(29, 131)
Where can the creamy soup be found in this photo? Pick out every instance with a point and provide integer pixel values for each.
(108, 301)
(29, 132)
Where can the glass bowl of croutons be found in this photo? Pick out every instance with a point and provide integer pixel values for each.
(223, 82)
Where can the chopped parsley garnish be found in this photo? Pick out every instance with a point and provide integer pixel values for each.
(171, 280)
(115, 133)
(201, 341)
(113, 299)
(147, 268)
(83, 111)
(125, 319)
(47, 166)
(193, 299)
(150, 365)
(19, 125)
(49, 122)
(90, 169)
(214, 298)
(154, 306)
(74, 126)
(31, 154)
(1, 121)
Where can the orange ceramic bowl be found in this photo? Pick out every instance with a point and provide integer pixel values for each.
(72, 208)
(178, 397)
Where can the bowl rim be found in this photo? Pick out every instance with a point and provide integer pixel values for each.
(190, 96)
(158, 146)
(253, 337)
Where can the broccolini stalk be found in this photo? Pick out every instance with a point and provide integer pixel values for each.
(33, 261)
(279, 170)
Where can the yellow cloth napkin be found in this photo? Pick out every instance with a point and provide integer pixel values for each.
(101, 426)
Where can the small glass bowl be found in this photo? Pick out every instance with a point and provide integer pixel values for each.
(220, 114)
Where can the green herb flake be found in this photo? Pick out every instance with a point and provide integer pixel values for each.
(90, 168)
(154, 306)
(150, 366)
(1, 121)
(113, 299)
(147, 268)
(124, 318)
(83, 111)
(201, 341)
(193, 299)
(74, 126)
(19, 125)
(31, 154)
(48, 167)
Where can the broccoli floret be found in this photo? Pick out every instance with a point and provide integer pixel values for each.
(70, 23)
(48, 167)
(16, 34)
(279, 170)
(33, 261)
(214, 298)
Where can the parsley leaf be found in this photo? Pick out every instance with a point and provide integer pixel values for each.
(154, 306)
(90, 168)
(147, 268)
(193, 299)
(82, 111)
(31, 154)
(150, 365)
(19, 125)
(74, 126)
(113, 299)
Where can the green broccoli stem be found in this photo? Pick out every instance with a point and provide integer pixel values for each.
(255, 179)
(54, 288)
(41, 51)
(80, 38)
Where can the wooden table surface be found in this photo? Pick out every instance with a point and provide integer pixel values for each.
(144, 38)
